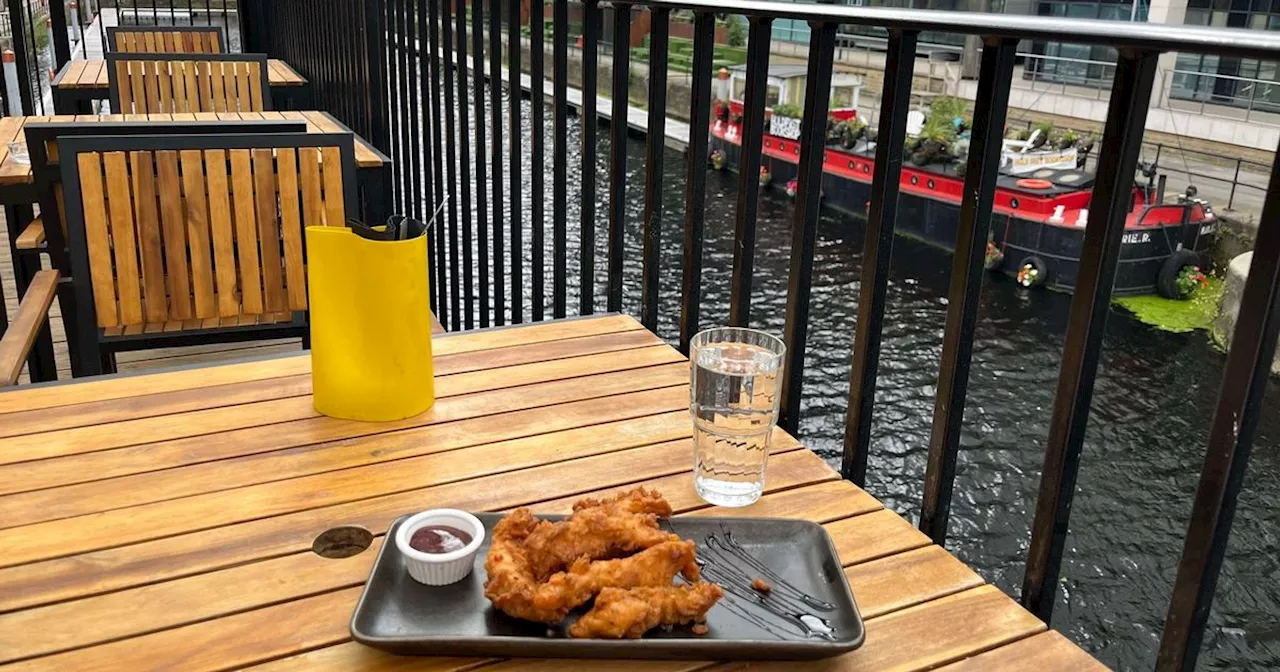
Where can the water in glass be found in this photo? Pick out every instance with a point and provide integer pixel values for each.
(734, 403)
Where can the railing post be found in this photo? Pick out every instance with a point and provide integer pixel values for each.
(537, 145)
(744, 237)
(1112, 199)
(482, 205)
(515, 158)
(21, 57)
(804, 228)
(618, 148)
(447, 65)
(559, 156)
(967, 272)
(58, 30)
(696, 174)
(655, 144)
(877, 251)
(590, 125)
(495, 167)
(466, 221)
(1244, 381)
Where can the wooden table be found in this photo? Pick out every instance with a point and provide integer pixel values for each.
(11, 128)
(166, 520)
(86, 80)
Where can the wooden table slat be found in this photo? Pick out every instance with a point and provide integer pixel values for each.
(1045, 651)
(165, 521)
(125, 387)
(123, 433)
(112, 410)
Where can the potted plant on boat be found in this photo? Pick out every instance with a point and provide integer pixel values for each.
(855, 130)
(836, 131)
(934, 141)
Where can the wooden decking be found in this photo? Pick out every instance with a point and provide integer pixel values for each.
(146, 359)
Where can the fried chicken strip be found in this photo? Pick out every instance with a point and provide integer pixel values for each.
(655, 566)
(593, 532)
(510, 584)
(636, 500)
(629, 613)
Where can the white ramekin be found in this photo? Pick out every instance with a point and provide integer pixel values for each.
(440, 569)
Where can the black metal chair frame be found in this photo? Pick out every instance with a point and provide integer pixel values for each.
(94, 349)
(45, 177)
(112, 31)
(113, 82)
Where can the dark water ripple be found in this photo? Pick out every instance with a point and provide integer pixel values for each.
(1144, 448)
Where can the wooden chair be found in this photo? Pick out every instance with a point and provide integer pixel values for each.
(197, 239)
(157, 40)
(168, 83)
(47, 233)
(31, 318)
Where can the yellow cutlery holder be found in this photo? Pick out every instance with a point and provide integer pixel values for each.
(370, 325)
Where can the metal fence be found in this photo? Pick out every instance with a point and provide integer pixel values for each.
(45, 34)
(406, 53)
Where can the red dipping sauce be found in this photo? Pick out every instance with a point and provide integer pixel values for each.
(439, 539)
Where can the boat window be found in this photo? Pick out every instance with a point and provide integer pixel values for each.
(772, 96)
(842, 97)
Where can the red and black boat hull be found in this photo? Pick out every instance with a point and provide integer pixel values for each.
(1021, 226)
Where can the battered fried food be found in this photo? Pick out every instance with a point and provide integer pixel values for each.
(510, 584)
(631, 612)
(595, 533)
(655, 566)
(636, 500)
(614, 551)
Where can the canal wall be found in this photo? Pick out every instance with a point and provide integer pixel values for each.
(1225, 325)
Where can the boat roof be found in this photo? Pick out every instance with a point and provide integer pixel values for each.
(796, 70)
(780, 70)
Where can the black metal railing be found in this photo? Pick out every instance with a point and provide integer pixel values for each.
(44, 36)
(414, 52)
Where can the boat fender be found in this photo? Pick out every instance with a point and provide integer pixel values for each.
(1167, 279)
(1033, 183)
(1083, 219)
(1032, 272)
(1057, 217)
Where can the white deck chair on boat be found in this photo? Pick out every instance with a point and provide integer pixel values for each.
(915, 122)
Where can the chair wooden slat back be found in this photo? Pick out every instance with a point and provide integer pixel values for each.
(157, 40)
(42, 139)
(183, 83)
(196, 229)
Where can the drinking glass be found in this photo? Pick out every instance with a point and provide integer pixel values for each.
(736, 381)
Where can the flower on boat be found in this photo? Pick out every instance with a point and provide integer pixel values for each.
(1027, 275)
(793, 187)
(993, 257)
(765, 176)
(1190, 279)
(717, 159)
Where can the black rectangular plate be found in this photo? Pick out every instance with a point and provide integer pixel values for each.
(400, 615)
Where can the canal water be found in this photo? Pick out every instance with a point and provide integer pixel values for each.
(1144, 448)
